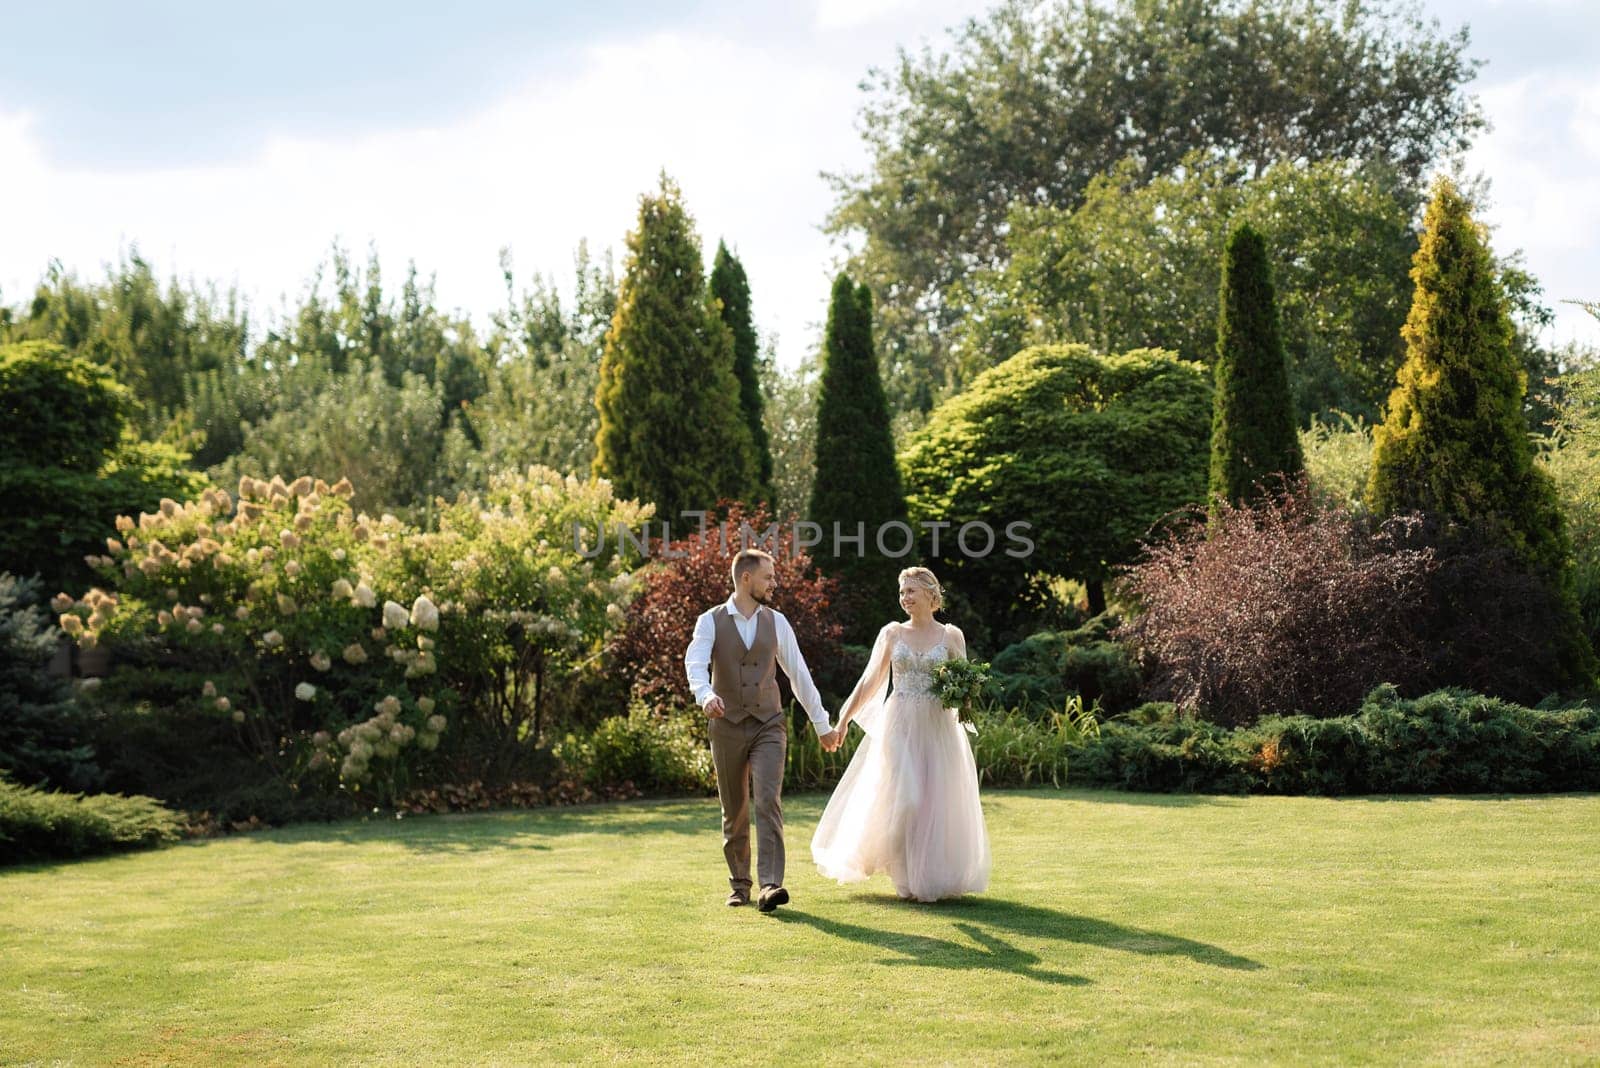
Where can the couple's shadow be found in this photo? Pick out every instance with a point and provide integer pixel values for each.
(988, 951)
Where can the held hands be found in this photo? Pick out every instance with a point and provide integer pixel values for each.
(833, 739)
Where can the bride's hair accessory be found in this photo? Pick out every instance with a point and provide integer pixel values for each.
(925, 578)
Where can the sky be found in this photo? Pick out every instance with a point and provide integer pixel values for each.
(233, 146)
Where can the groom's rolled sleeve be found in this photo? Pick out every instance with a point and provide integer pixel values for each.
(697, 659)
(794, 666)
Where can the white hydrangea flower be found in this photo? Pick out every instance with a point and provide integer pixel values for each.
(394, 615)
(364, 596)
(305, 692)
(424, 615)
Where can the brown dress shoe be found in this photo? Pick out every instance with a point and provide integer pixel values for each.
(738, 897)
(771, 897)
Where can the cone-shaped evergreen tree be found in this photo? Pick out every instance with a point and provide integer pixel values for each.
(671, 430)
(730, 286)
(1253, 438)
(1453, 441)
(857, 484)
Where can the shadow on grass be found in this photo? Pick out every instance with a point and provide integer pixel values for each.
(990, 953)
(1031, 921)
(1110, 796)
(467, 832)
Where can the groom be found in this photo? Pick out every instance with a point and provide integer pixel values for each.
(730, 662)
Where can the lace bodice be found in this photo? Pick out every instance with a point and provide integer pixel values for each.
(912, 671)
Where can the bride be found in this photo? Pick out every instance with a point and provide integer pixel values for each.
(908, 802)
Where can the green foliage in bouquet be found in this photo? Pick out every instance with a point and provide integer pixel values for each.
(958, 683)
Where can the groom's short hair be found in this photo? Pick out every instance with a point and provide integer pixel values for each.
(746, 560)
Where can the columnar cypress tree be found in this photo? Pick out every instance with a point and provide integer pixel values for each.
(1253, 437)
(671, 431)
(857, 481)
(1453, 441)
(730, 286)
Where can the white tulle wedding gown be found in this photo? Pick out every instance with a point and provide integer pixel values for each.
(908, 802)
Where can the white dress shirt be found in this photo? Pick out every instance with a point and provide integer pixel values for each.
(697, 659)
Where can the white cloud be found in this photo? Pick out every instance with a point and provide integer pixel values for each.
(744, 131)
(847, 14)
(556, 162)
(1543, 160)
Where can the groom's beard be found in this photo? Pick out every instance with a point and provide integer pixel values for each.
(761, 598)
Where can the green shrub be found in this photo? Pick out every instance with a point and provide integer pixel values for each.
(1447, 741)
(1042, 670)
(1572, 456)
(1090, 450)
(1338, 457)
(43, 731)
(656, 753)
(1183, 755)
(1013, 749)
(40, 825)
(71, 464)
(1462, 742)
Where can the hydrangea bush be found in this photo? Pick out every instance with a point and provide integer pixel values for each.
(343, 647)
(271, 601)
(534, 592)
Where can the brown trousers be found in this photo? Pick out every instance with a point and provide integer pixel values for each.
(749, 757)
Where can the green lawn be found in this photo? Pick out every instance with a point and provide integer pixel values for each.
(1118, 927)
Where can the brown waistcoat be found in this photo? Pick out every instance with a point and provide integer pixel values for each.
(746, 679)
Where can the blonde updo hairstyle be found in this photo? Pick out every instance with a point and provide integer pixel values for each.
(921, 576)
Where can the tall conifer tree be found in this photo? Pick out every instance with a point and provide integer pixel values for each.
(1453, 441)
(731, 286)
(671, 429)
(1253, 437)
(857, 483)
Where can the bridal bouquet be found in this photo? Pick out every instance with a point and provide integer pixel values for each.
(957, 683)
